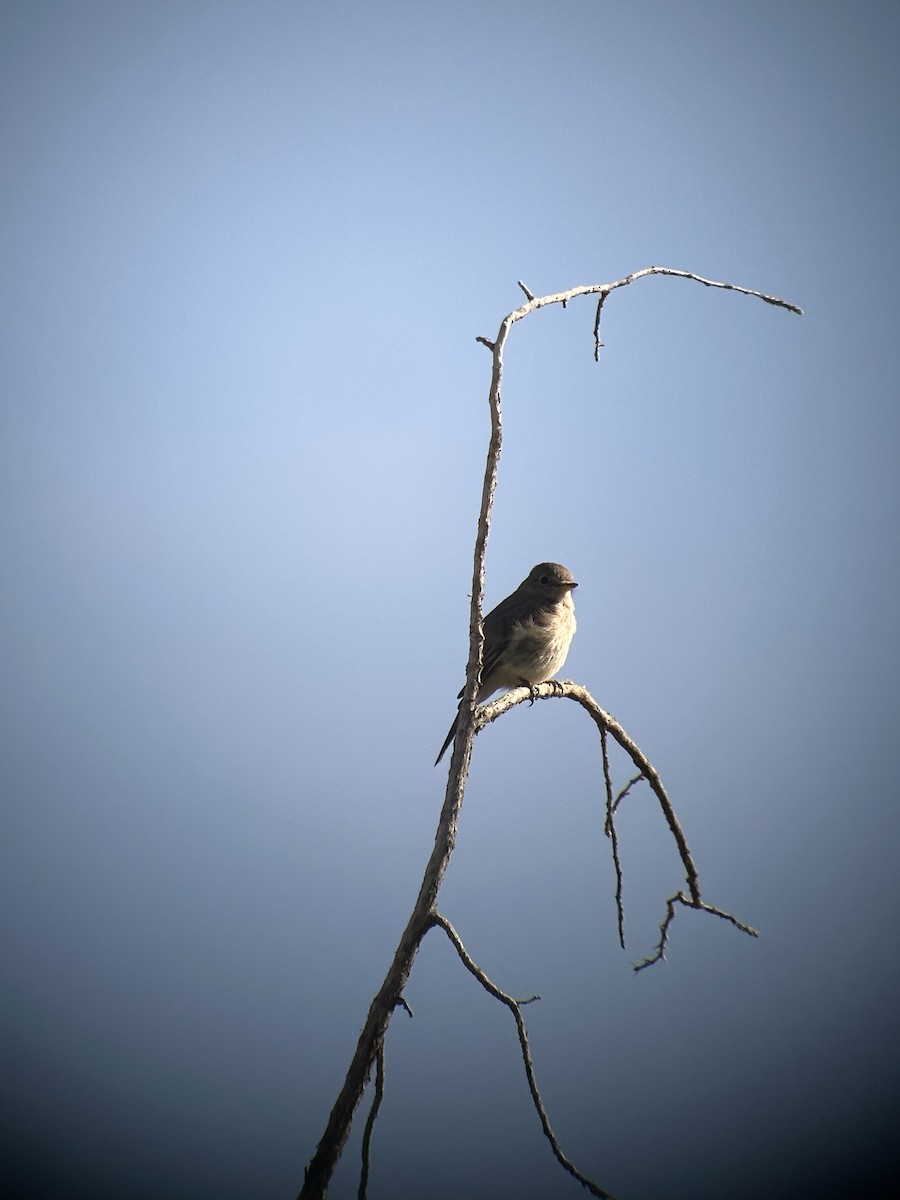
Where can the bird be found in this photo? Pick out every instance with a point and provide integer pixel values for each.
(527, 636)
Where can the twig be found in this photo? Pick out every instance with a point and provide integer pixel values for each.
(626, 789)
(370, 1121)
(514, 1007)
(610, 829)
(597, 343)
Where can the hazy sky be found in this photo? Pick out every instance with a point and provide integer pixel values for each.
(247, 249)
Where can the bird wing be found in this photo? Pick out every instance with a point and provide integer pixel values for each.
(497, 632)
(497, 635)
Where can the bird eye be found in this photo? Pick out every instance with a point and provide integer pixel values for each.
(545, 579)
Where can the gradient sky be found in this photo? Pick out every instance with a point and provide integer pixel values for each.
(247, 249)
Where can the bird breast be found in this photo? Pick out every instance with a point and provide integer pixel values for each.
(540, 647)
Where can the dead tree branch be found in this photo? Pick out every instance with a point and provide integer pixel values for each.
(390, 995)
(604, 721)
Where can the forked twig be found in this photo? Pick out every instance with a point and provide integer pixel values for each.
(514, 1007)
(679, 898)
(602, 291)
(607, 724)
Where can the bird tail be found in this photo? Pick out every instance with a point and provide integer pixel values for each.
(448, 739)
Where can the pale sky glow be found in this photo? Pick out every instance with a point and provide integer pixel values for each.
(247, 251)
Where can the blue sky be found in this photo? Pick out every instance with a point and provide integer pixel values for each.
(247, 251)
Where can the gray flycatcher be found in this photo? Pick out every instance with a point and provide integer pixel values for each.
(527, 636)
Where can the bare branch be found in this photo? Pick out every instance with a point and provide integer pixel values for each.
(603, 289)
(514, 1007)
(597, 343)
(608, 724)
(680, 898)
(603, 720)
(528, 295)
